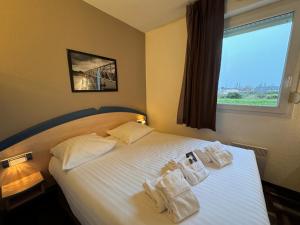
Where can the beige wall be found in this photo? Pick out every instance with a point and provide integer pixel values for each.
(34, 76)
(165, 54)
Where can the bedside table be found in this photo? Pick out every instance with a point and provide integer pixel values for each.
(22, 190)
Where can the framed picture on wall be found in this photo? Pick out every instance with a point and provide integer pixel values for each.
(92, 73)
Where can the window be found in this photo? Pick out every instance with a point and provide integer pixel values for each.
(253, 62)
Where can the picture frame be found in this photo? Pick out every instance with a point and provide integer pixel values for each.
(92, 73)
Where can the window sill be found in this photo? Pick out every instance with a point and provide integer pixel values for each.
(285, 112)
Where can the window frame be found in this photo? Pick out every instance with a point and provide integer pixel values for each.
(290, 74)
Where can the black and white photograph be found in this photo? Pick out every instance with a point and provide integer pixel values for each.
(92, 73)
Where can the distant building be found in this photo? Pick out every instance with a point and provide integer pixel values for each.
(225, 91)
(259, 89)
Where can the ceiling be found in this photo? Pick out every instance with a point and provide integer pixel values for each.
(146, 15)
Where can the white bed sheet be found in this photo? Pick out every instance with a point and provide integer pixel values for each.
(108, 190)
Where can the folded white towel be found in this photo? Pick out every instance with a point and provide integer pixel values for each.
(193, 171)
(220, 158)
(170, 166)
(155, 194)
(180, 200)
(215, 153)
(203, 156)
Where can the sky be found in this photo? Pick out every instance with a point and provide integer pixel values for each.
(255, 58)
(82, 62)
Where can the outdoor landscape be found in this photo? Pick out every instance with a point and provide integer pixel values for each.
(262, 95)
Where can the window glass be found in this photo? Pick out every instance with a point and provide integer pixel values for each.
(253, 62)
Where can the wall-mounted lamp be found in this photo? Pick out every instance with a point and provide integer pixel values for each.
(294, 97)
(141, 119)
(16, 159)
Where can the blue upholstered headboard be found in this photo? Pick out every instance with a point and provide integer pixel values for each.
(10, 141)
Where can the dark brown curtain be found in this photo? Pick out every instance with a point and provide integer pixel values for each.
(198, 99)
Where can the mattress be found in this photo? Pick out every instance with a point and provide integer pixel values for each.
(108, 190)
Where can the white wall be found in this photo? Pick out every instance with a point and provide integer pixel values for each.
(165, 55)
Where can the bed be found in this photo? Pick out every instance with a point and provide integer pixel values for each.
(108, 189)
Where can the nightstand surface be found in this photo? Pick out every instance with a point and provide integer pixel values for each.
(21, 184)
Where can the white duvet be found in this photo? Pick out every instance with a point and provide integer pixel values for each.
(108, 190)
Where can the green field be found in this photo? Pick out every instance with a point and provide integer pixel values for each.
(249, 101)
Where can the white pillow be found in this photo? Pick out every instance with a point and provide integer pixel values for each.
(130, 132)
(80, 149)
(119, 142)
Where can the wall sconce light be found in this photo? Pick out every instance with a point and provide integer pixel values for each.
(141, 119)
(16, 159)
(294, 97)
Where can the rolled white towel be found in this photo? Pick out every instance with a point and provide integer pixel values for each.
(215, 153)
(180, 200)
(155, 194)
